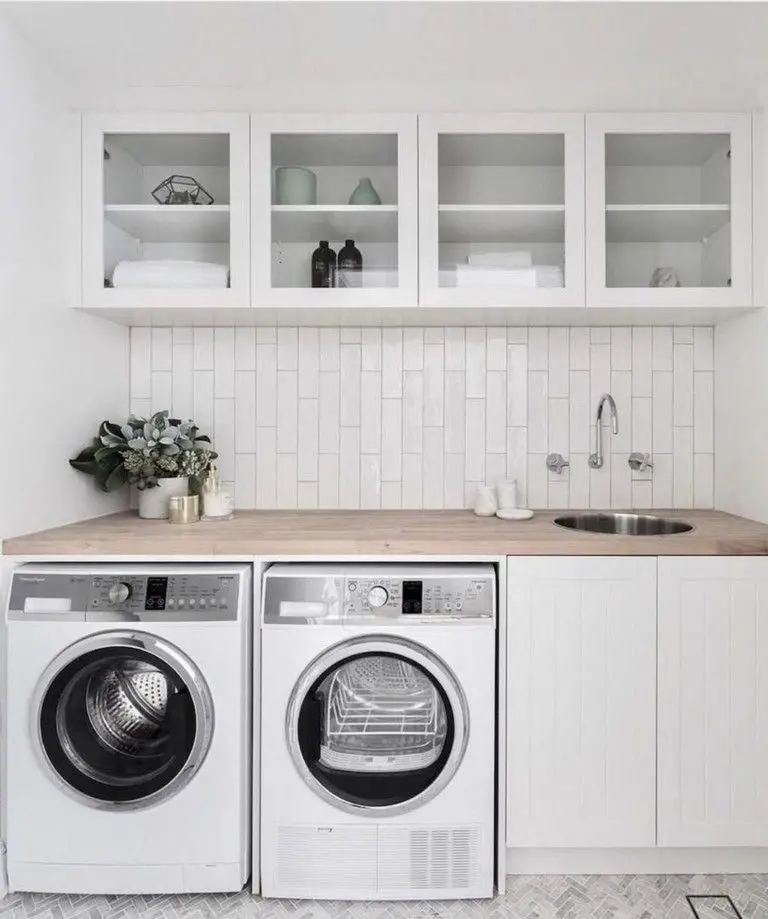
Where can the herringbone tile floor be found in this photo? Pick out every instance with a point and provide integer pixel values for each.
(539, 897)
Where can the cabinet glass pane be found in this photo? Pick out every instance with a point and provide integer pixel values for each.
(345, 187)
(668, 210)
(501, 203)
(177, 237)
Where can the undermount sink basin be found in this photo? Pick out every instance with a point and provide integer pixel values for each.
(624, 524)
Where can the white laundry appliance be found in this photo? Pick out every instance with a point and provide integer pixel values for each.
(128, 729)
(378, 731)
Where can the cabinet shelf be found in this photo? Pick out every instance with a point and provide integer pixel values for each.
(306, 224)
(171, 223)
(626, 223)
(502, 223)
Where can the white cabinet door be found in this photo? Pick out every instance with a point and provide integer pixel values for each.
(165, 186)
(581, 702)
(501, 210)
(713, 701)
(290, 218)
(669, 192)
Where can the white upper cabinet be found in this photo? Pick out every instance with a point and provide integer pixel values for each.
(669, 198)
(713, 702)
(581, 702)
(165, 188)
(501, 219)
(334, 178)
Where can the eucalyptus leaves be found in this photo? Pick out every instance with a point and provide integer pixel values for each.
(141, 451)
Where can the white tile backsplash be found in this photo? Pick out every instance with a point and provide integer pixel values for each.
(350, 417)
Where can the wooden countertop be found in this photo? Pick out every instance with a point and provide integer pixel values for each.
(349, 533)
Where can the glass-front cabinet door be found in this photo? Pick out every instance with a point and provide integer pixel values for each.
(334, 210)
(165, 210)
(669, 210)
(501, 219)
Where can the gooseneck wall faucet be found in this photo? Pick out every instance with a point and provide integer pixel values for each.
(596, 458)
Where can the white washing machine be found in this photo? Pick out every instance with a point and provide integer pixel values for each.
(128, 742)
(377, 731)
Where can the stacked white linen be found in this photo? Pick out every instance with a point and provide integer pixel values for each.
(170, 273)
(534, 276)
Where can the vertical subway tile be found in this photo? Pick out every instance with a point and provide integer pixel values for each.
(495, 468)
(370, 480)
(600, 335)
(328, 480)
(391, 495)
(391, 440)
(245, 411)
(703, 412)
(350, 335)
(371, 349)
(413, 349)
(538, 349)
(392, 363)
(682, 335)
(328, 407)
(537, 411)
(183, 398)
(557, 492)
(412, 480)
(703, 480)
(455, 409)
(683, 385)
(599, 372)
(266, 385)
(558, 425)
(203, 400)
(642, 362)
(309, 363)
(621, 390)
(224, 437)
(579, 348)
(307, 495)
(141, 364)
(433, 468)
(496, 411)
(662, 412)
(266, 335)
(287, 482)
(558, 363)
(662, 480)
(682, 478)
(621, 348)
(266, 467)
(642, 426)
(413, 411)
(578, 474)
(517, 460)
(224, 363)
(350, 384)
(287, 348)
(245, 348)
(162, 390)
(496, 349)
(642, 495)
(517, 336)
(621, 481)
(580, 413)
(703, 348)
(662, 348)
(182, 335)
(329, 356)
(245, 480)
(517, 385)
(537, 481)
(370, 421)
(475, 363)
(287, 411)
(162, 349)
(600, 485)
(434, 379)
(434, 335)
(474, 451)
(349, 468)
(455, 349)
(202, 346)
(453, 485)
(308, 437)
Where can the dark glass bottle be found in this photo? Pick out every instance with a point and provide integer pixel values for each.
(323, 266)
(350, 265)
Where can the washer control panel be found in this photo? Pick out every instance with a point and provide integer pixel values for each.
(178, 596)
(387, 597)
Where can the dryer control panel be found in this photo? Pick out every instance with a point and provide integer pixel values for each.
(445, 596)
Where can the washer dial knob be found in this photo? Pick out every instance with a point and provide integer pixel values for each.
(119, 592)
(377, 596)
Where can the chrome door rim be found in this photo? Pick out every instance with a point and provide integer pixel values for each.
(412, 652)
(169, 655)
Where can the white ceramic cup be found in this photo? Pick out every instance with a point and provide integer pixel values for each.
(485, 501)
(506, 489)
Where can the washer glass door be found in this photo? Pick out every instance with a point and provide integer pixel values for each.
(377, 724)
(124, 719)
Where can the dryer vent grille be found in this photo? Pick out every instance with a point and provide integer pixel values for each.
(382, 860)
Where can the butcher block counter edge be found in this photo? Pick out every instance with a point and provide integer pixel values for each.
(380, 533)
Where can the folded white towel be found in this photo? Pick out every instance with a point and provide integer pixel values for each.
(537, 276)
(500, 259)
(170, 274)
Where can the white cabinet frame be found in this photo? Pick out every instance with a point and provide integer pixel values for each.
(262, 292)
(739, 126)
(95, 126)
(571, 126)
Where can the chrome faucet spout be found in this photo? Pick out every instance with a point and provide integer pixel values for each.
(596, 459)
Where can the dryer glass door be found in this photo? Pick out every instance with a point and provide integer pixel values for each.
(377, 724)
(124, 719)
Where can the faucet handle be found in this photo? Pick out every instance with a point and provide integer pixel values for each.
(640, 462)
(557, 463)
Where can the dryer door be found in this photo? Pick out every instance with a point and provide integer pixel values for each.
(124, 719)
(377, 725)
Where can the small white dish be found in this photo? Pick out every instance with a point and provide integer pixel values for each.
(514, 513)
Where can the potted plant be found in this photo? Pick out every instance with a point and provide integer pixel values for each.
(158, 455)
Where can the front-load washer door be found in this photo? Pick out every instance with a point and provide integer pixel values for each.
(377, 725)
(124, 719)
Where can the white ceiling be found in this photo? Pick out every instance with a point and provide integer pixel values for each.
(405, 55)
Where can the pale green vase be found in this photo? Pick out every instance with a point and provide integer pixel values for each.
(365, 193)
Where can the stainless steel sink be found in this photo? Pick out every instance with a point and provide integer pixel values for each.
(623, 524)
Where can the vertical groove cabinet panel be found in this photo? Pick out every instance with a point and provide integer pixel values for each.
(581, 702)
(713, 702)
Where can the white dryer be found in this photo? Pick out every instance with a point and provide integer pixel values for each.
(128, 741)
(378, 731)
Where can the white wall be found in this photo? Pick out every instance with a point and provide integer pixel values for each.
(414, 417)
(60, 372)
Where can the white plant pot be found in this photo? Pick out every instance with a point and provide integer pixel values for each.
(153, 502)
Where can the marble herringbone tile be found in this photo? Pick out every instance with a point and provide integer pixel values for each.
(534, 897)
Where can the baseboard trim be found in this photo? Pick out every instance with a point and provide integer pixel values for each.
(637, 861)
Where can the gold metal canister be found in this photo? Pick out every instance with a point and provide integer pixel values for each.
(184, 509)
